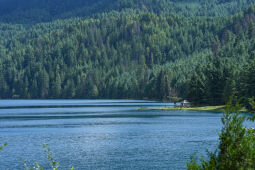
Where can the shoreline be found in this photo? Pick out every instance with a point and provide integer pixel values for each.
(196, 108)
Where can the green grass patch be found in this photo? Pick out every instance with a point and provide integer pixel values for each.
(196, 108)
(203, 108)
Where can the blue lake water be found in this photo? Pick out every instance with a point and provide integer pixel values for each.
(103, 134)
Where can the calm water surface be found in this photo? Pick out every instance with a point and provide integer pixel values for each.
(103, 134)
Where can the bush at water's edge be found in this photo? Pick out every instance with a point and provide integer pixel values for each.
(236, 149)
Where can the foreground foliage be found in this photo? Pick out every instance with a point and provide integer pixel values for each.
(2, 146)
(52, 163)
(236, 149)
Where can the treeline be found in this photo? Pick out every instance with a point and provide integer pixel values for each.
(230, 70)
(214, 82)
(131, 55)
(111, 57)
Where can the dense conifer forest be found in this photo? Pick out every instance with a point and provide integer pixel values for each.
(200, 50)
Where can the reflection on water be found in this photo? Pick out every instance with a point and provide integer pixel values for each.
(104, 134)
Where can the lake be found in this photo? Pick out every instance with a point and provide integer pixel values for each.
(103, 134)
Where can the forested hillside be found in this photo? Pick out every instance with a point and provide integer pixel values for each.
(144, 52)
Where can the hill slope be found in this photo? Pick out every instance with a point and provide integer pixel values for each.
(131, 55)
(36, 11)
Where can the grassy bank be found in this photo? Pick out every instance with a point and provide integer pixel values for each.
(196, 108)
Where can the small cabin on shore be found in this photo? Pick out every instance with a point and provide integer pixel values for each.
(185, 103)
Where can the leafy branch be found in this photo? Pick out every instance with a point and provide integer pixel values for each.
(2, 146)
(52, 163)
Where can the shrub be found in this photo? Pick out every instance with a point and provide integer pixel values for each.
(236, 149)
